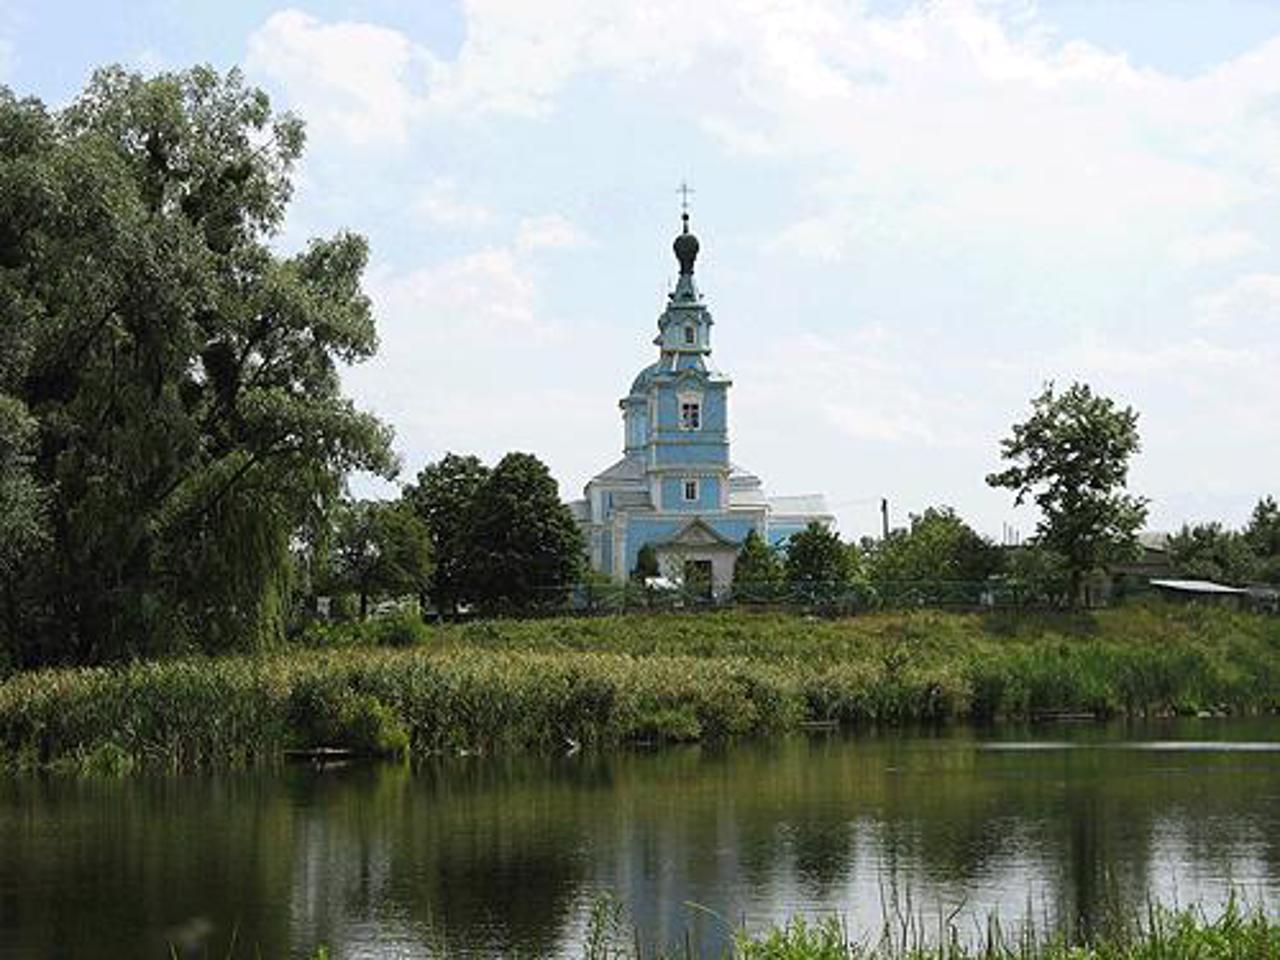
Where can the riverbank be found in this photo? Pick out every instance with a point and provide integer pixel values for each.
(566, 684)
(1161, 935)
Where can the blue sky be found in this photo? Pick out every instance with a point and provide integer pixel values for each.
(912, 215)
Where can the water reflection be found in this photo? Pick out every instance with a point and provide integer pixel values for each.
(491, 857)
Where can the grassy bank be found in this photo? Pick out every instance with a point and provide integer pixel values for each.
(1182, 935)
(550, 684)
(1188, 934)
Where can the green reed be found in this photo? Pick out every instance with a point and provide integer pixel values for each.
(560, 684)
(1165, 934)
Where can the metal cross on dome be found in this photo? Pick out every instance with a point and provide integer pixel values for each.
(684, 190)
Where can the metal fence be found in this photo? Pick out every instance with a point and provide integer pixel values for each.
(815, 597)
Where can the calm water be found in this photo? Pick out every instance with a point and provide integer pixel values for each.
(493, 858)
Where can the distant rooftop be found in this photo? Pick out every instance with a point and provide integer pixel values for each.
(1196, 586)
(806, 505)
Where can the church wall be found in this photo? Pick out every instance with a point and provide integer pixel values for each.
(606, 552)
(673, 495)
(715, 410)
(668, 408)
(705, 450)
(636, 427)
(641, 531)
(735, 529)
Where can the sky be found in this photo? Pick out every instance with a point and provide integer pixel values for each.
(912, 216)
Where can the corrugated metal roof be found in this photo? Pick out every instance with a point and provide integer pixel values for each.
(1196, 586)
(628, 468)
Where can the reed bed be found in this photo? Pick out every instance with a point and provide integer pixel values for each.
(1166, 935)
(563, 684)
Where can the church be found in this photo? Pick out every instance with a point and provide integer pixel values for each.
(676, 487)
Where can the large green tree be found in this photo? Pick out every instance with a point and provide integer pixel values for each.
(444, 497)
(937, 546)
(527, 549)
(1263, 536)
(757, 572)
(181, 374)
(1209, 551)
(23, 527)
(380, 549)
(818, 564)
(1071, 457)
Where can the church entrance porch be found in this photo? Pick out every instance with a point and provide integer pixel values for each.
(698, 558)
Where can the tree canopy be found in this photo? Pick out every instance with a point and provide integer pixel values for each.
(817, 562)
(444, 497)
(757, 572)
(527, 549)
(170, 410)
(1071, 456)
(380, 549)
(1263, 536)
(501, 537)
(937, 546)
(1209, 551)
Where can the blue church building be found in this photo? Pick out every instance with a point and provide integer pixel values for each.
(676, 487)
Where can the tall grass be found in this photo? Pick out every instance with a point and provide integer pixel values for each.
(557, 684)
(1188, 934)
(1167, 935)
(1236, 933)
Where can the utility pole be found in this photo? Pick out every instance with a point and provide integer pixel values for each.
(884, 516)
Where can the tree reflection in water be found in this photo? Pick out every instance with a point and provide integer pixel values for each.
(495, 857)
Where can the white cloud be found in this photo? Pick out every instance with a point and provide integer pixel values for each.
(1014, 206)
(487, 295)
(951, 114)
(454, 368)
(355, 79)
(551, 231)
(1250, 305)
(1219, 246)
(866, 385)
(440, 204)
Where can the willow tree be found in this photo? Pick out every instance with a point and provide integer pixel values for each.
(182, 376)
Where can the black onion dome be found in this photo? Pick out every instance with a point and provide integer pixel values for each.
(686, 247)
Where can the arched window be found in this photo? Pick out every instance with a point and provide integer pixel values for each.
(690, 337)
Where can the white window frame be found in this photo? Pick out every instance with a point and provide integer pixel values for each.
(693, 400)
(690, 335)
(690, 483)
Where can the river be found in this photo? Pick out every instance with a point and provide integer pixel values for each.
(1067, 824)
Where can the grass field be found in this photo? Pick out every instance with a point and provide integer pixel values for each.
(549, 685)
